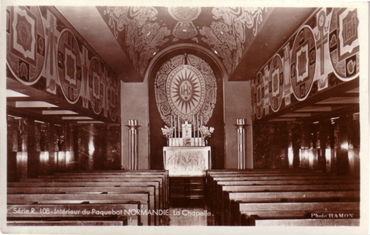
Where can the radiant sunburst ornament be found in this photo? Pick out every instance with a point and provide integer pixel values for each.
(185, 88)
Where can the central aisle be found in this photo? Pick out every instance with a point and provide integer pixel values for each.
(187, 199)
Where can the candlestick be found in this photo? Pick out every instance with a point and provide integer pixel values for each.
(178, 124)
(193, 126)
(175, 123)
(171, 118)
(198, 125)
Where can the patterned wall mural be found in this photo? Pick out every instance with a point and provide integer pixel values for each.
(26, 44)
(184, 28)
(144, 31)
(140, 33)
(229, 32)
(40, 44)
(185, 86)
(323, 52)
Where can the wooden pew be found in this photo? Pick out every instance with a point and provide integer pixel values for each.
(145, 173)
(213, 182)
(233, 198)
(87, 190)
(276, 186)
(291, 195)
(28, 185)
(108, 178)
(93, 199)
(18, 214)
(258, 173)
(218, 194)
(221, 189)
(91, 187)
(100, 183)
(291, 210)
(247, 179)
(105, 179)
(262, 171)
(211, 174)
(256, 179)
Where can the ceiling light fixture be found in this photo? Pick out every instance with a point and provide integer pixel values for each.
(90, 122)
(332, 120)
(58, 112)
(15, 117)
(76, 118)
(34, 104)
(12, 93)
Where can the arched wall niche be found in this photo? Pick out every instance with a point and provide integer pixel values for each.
(156, 139)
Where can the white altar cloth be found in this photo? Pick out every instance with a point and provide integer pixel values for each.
(187, 161)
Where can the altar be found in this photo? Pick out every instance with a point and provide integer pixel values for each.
(187, 153)
(187, 161)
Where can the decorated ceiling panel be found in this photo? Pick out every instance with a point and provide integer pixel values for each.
(44, 51)
(322, 53)
(144, 31)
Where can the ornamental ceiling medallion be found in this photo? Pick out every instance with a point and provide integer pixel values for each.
(184, 29)
(185, 86)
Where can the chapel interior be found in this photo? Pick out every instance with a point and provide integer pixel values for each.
(168, 116)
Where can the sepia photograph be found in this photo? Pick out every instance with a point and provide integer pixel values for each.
(184, 117)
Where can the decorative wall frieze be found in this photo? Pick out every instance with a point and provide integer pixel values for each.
(41, 44)
(322, 53)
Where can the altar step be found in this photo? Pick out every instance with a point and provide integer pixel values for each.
(187, 191)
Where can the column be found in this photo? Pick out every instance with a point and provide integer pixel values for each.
(133, 145)
(240, 132)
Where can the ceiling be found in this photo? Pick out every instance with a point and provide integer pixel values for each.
(128, 38)
(27, 101)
